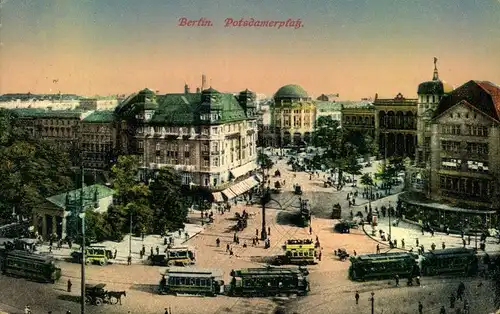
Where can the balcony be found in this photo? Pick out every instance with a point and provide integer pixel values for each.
(205, 153)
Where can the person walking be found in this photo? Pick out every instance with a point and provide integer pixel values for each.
(397, 280)
(443, 246)
(420, 307)
(69, 285)
(403, 243)
(310, 230)
(378, 248)
(356, 296)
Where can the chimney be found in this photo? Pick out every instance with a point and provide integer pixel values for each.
(186, 89)
(203, 82)
(197, 90)
(376, 96)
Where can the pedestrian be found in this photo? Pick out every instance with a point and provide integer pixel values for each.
(256, 232)
(141, 255)
(217, 242)
(268, 231)
(432, 232)
(230, 252)
(310, 230)
(403, 243)
(378, 248)
(50, 248)
(114, 255)
(152, 253)
(433, 246)
(417, 242)
(129, 260)
(452, 301)
(460, 291)
(443, 310)
(443, 246)
(468, 239)
(69, 285)
(319, 256)
(157, 250)
(166, 310)
(227, 248)
(356, 296)
(420, 307)
(355, 253)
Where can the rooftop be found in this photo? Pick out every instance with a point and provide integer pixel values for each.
(47, 113)
(100, 116)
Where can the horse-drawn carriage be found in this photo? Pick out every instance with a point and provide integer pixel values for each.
(96, 295)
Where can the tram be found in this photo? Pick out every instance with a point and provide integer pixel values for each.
(453, 260)
(377, 266)
(23, 264)
(268, 281)
(247, 282)
(299, 252)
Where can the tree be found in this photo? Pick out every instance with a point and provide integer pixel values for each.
(31, 169)
(169, 205)
(264, 161)
(353, 167)
(367, 180)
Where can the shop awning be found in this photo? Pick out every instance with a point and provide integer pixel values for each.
(253, 182)
(218, 197)
(239, 188)
(228, 193)
(238, 172)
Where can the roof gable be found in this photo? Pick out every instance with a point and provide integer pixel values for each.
(483, 95)
(458, 106)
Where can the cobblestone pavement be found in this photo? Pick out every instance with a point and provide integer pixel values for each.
(331, 290)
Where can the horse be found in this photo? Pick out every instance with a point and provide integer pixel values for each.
(116, 296)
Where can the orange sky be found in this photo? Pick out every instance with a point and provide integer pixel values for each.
(92, 52)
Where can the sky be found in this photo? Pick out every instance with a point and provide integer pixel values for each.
(355, 48)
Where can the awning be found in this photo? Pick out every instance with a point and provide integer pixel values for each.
(238, 172)
(218, 197)
(239, 188)
(253, 182)
(228, 193)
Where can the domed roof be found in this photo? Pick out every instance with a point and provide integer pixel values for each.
(434, 87)
(146, 91)
(210, 91)
(291, 91)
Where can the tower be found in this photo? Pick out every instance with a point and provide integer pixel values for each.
(203, 82)
(429, 95)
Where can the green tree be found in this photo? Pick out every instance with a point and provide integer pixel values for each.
(31, 169)
(353, 167)
(264, 161)
(168, 203)
(367, 180)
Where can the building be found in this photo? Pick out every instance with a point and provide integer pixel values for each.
(58, 214)
(359, 116)
(430, 94)
(396, 125)
(461, 185)
(209, 137)
(332, 109)
(293, 116)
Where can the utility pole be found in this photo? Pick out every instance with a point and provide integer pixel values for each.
(372, 299)
(130, 239)
(263, 200)
(82, 216)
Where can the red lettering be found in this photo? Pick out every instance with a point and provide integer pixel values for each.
(183, 21)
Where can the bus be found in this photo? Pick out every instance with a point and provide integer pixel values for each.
(37, 267)
(299, 252)
(268, 281)
(453, 260)
(376, 266)
(93, 254)
(181, 280)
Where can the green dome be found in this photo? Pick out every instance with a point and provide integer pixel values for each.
(434, 87)
(291, 91)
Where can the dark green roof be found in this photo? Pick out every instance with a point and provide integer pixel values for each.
(185, 109)
(101, 116)
(45, 113)
(73, 197)
(291, 91)
(322, 106)
(435, 87)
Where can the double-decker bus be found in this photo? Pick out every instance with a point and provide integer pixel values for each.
(268, 281)
(453, 260)
(37, 267)
(376, 266)
(198, 281)
(299, 252)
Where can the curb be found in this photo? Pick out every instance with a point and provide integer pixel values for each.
(374, 239)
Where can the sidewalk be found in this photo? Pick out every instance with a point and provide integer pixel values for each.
(410, 233)
(150, 241)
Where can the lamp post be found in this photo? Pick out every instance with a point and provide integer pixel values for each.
(82, 297)
(130, 240)
(389, 213)
(372, 300)
(263, 200)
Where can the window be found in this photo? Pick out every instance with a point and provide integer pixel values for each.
(158, 159)
(158, 146)
(450, 146)
(140, 145)
(477, 148)
(477, 130)
(453, 129)
(206, 162)
(477, 166)
(215, 162)
(215, 147)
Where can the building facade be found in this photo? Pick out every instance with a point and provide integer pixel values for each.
(396, 126)
(209, 137)
(358, 116)
(293, 117)
(461, 182)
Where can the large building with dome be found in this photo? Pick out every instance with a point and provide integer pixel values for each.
(292, 118)
(455, 180)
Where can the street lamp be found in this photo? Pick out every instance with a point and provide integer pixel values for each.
(82, 297)
(389, 213)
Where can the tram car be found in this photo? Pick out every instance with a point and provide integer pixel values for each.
(197, 281)
(24, 264)
(385, 265)
(248, 282)
(268, 281)
(453, 260)
(299, 252)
